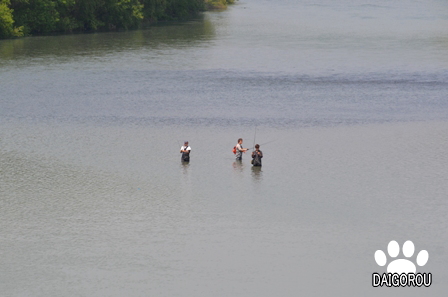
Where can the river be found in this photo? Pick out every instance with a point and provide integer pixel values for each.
(348, 100)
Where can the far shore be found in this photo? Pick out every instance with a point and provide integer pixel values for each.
(25, 19)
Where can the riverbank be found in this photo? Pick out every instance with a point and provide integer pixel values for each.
(217, 4)
(18, 19)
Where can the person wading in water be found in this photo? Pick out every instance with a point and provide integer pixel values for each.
(256, 156)
(240, 150)
(185, 150)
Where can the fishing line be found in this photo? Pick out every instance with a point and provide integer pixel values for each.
(264, 143)
(255, 134)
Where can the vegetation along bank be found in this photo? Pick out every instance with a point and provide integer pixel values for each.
(30, 17)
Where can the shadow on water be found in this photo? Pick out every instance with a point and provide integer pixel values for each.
(164, 35)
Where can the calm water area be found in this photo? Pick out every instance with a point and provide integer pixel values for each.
(348, 99)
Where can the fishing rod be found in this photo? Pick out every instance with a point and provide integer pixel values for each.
(255, 134)
(263, 144)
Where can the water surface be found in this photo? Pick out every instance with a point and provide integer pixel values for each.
(347, 99)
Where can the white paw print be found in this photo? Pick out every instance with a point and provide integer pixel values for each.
(401, 265)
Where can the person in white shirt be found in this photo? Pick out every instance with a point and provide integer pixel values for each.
(185, 151)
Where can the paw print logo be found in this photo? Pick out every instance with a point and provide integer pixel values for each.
(401, 265)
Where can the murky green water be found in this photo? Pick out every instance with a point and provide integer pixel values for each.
(348, 101)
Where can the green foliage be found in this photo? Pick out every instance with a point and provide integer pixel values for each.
(218, 4)
(87, 14)
(123, 14)
(45, 16)
(154, 10)
(171, 9)
(7, 28)
(36, 16)
(6, 20)
(179, 9)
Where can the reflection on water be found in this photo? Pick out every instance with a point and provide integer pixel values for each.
(257, 173)
(184, 166)
(110, 205)
(238, 166)
(79, 46)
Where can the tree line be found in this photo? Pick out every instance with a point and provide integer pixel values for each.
(29, 17)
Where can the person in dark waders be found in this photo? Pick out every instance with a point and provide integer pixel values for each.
(185, 151)
(256, 156)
